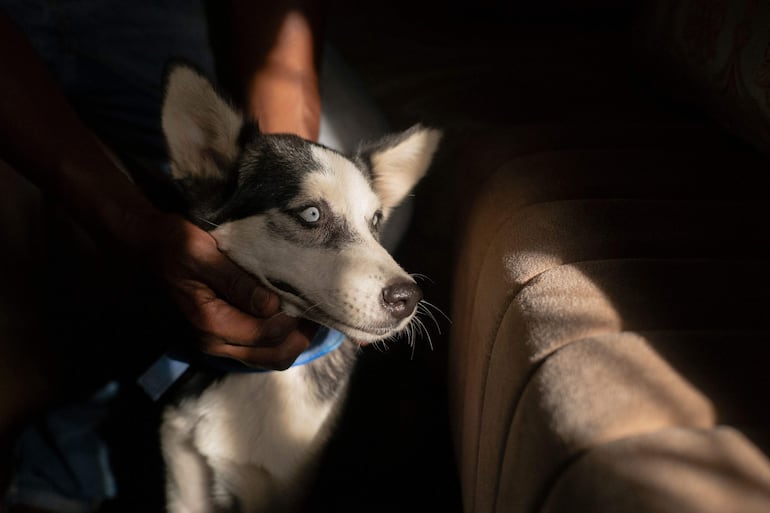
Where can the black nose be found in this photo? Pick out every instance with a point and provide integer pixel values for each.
(400, 299)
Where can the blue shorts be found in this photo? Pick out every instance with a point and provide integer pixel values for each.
(109, 57)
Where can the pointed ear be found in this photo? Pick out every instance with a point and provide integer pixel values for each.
(201, 127)
(399, 162)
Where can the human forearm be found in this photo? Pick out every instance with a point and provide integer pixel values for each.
(275, 50)
(42, 137)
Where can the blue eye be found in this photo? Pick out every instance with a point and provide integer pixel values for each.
(310, 214)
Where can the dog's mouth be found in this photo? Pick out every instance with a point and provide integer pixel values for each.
(306, 308)
(361, 336)
(285, 287)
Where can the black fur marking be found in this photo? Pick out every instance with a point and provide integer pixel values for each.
(364, 163)
(269, 172)
(204, 197)
(337, 233)
(329, 373)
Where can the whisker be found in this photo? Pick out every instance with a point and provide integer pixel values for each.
(408, 333)
(215, 225)
(420, 327)
(421, 277)
(312, 307)
(437, 309)
(424, 310)
(410, 340)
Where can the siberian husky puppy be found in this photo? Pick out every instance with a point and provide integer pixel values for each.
(305, 220)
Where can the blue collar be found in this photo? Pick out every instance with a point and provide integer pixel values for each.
(167, 369)
(324, 342)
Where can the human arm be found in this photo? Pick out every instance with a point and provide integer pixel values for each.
(274, 50)
(43, 138)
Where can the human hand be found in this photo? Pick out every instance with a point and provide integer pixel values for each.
(235, 316)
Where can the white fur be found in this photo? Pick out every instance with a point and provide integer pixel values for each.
(251, 436)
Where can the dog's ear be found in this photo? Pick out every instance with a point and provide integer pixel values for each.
(200, 126)
(398, 162)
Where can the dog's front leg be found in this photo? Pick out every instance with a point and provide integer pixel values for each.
(188, 476)
(245, 488)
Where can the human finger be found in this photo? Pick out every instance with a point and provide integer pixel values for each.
(241, 289)
(214, 316)
(275, 357)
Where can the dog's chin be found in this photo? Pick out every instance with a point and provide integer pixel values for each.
(359, 335)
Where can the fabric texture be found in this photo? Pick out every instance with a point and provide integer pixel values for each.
(582, 299)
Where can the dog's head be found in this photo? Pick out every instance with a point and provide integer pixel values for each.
(301, 217)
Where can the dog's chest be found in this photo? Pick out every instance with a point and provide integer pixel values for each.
(264, 419)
